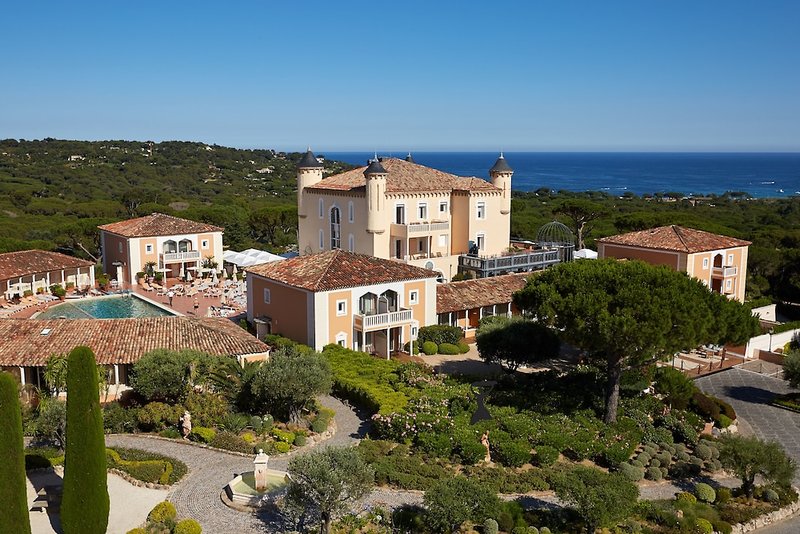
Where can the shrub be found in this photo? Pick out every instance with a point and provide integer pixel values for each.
(187, 526)
(490, 527)
(723, 421)
(654, 474)
(704, 492)
(771, 496)
(601, 499)
(748, 457)
(231, 442)
(469, 449)
(703, 526)
(162, 513)
(452, 501)
(440, 333)
(300, 440)
(322, 420)
(676, 387)
(703, 451)
(434, 444)
(118, 420)
(234, 422)
(513, 452)
(630, 472)
(723, 527)
(463, 347)
(723, 495)
(52, 421)
(207, 409)
(282, 447)
(269, 422)
(163, 374)
(202, 434)
(684, 498)
(705, 406)
(430, 348)
(85, 476)
(282, 435)
(448, 349)
(158, 415)
(137, 531)
(257, 424)
(545, 456)
(171, 433)
(12, 467)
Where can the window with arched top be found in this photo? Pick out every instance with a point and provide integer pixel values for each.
(336, 228)
(184, 245)
(718, 260)
(170, 246)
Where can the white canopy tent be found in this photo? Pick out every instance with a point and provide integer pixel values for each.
(585, 254)
(249, 257)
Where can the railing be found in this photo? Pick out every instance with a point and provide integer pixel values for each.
(513, 262)
(419, 228)
(180, 256)
(725, 271)
(382, 320)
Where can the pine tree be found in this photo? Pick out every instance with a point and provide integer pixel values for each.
(14, 517)
(84, 507)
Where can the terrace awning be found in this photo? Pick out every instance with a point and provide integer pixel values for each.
(249, 257)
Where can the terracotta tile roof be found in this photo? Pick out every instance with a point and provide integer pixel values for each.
(405, 176)
(158, 224)
(676, 238)
(26, 262)
(121, 340)
(469, 294)
(337, 269)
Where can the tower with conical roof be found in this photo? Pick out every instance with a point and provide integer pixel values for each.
(500, 175)
(376, 176)
(309, 173)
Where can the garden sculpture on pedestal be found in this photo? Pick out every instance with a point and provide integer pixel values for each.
(485, 443)
(186, 424)
(260, 470)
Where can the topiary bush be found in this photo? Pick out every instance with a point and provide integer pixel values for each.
(430, 348)
(162, 513)
(703, 451)
(685, 497)
(771, 496)
(448, 349)
(490, 527)
(723, 496)
(187, 526)
(463, 347)
(654, 474)
(632, 473)
(704, 492)
(85, 502)
(14, 517)
(703, 526)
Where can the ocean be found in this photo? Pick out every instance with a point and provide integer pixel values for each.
(762, 175)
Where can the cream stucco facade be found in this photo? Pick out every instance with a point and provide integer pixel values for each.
(405, 212)
(377, 318)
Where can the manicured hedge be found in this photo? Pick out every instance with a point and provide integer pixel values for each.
(440, 333)
(430, 348)
(448, 349)
(365, 380)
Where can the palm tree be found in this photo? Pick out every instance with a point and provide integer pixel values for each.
(55, 374)
(232, 381)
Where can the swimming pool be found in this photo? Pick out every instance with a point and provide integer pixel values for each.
(114, 307)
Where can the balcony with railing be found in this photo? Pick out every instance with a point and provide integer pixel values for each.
(173, 257)
(724, 272)
(484, 266)
(381, 321)
(419, 229)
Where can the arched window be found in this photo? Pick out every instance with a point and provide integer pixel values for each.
(350, 212)
(170, 246)
(718, 260)
(184, 245)
(351, 243)
(336, 228)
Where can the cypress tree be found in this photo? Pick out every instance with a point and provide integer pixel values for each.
(84, 506)
(13, 493)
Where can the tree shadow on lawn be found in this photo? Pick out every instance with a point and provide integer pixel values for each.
(751, 394)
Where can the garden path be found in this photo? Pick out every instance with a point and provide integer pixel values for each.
(198, 494)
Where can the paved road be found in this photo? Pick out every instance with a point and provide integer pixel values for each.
(750, 393)
(197, 496)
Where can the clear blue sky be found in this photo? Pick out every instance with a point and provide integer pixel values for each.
(538, 75)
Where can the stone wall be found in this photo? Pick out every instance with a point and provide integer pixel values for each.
(767, 519)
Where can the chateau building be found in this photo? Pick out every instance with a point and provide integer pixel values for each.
(171, 243)
(719, 261)
(355, 300)
(396, 209)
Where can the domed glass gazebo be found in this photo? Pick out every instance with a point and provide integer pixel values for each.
(556, 235)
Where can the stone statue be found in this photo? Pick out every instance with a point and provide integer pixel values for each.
(485, 443)
(186, 424)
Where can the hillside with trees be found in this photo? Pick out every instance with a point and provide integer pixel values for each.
(54, 193)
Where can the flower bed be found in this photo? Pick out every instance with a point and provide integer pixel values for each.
(790, 401)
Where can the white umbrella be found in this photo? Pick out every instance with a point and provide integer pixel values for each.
(214, 277)
(224, 274)
(189, 277)
(182, 274)
(234, 271)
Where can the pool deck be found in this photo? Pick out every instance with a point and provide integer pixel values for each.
(180, 305)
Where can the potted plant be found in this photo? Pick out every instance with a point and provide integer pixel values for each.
(102, 281)
(159, 277)
(70, 285)
(58, 291)
(140, 277)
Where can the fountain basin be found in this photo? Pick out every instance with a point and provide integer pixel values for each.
(242, 489)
